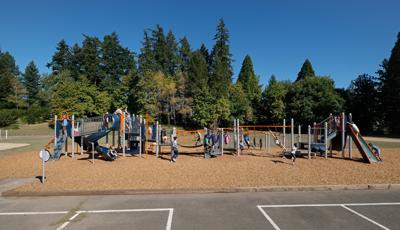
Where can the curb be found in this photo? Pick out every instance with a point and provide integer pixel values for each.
(13, 193)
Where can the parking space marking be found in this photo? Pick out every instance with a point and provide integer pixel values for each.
(345, 206)
(268, 218)
(325, 205)
(364, 217)
(31, 213)
(77, 213)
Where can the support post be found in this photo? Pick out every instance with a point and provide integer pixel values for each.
(6, 134)
(309, 142)
(299, 137)
(284, 133)
(43, 170)
(238, 136)
(82, 136)
(326, 139)
(55, 131)
(269, 143)
(123, 137)
(157, 138)
(140, 135)
(343, 134)
(350, 141)
(266, 138)
(291, 133)
(73, 136)
(315, 138)
(92, 152)
(222, 141)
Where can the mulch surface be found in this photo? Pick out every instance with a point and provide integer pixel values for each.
(252, 169)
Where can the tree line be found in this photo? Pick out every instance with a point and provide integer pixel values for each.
(192, 87)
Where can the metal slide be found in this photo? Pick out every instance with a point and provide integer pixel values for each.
(366, 152)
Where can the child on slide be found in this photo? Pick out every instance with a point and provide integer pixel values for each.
(376, 150)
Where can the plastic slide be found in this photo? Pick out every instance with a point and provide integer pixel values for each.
(58, 148)
(366, 152)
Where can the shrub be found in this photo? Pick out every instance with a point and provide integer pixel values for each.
(36, 114)
(7, 117)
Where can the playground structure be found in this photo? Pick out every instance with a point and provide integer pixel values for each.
(130, 134)
(136, 136)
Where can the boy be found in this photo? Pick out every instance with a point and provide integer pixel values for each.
(174, 152)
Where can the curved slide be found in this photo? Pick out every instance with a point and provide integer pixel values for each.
(366, 152)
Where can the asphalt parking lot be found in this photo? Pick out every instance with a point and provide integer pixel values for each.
(353, 209)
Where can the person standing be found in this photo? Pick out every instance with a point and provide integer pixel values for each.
(174, 151)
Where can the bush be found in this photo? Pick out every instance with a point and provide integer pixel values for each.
(8, 117)
(36, 114)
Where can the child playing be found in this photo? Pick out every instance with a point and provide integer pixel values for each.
(174, 150)
(376, 150)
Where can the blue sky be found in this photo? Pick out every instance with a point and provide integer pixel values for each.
(341, 38)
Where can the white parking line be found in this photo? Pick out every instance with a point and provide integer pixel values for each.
(31, 213)
(326, 205)
(168, 226)
(77, 213)
(268, 218)
(345, 206)
(364, 217)
(69, 221)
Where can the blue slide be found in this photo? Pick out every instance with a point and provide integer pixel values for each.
(366, 152)
(107, 153)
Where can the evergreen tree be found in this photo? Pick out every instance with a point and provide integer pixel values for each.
(171, 53)
(363, 102)
(272, 104)
(160, 48)
(31, 82)
(91, 62)
(221, 68)
(306, 70)
(240, 104)
(76, 61)
(390, 77)
(146, 57)
(8, 74)
(250, 82)
(198, 90)
(313, 99)
(116, 60)
(61, 58)
(206, 55)
(184, 54)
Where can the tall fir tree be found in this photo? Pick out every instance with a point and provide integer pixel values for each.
(160, 48)
(390, 78)
(146, 56)
(206, 55)
(249, 81)
(61, 58)
(198, 90)
(116, 60)
(306, 70)
(364, 102)
(32, 82)
(221, 67)
(171, 53)
(76, 61)
(8, 74)
(184, 54)
(91, 62)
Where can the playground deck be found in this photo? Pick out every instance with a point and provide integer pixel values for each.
(253, 168)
